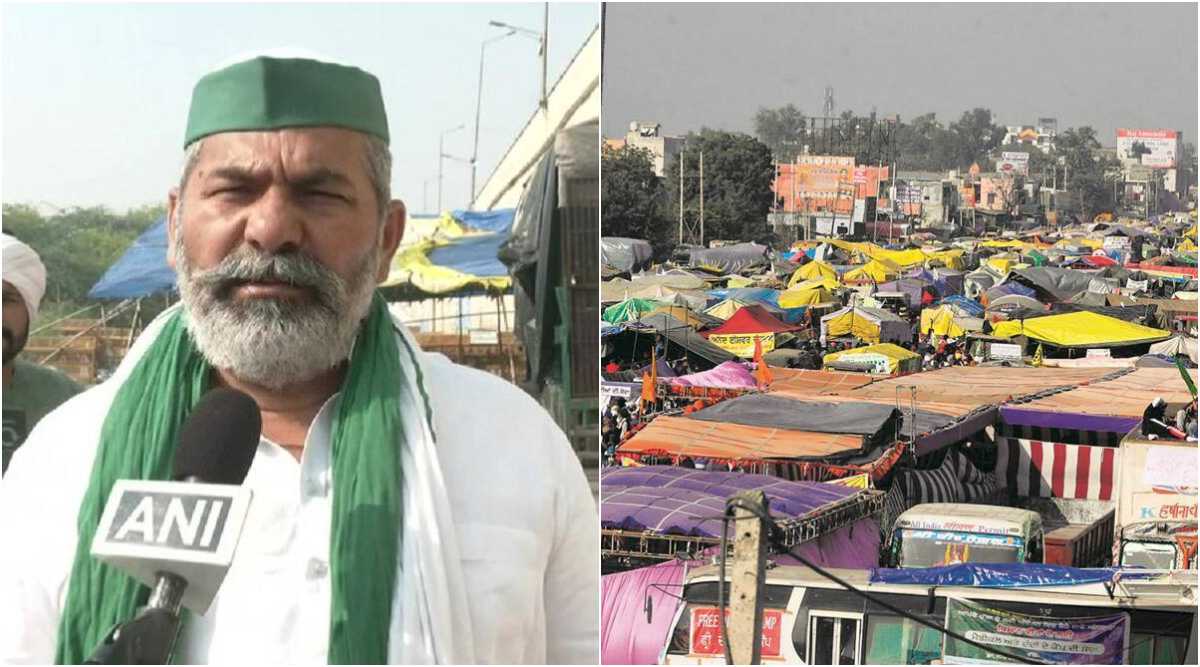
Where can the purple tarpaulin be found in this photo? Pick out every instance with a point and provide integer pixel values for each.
(1026, 417)
(855, 547)
(680, 501)
(625, 636)
(958, 431)
(729, 375)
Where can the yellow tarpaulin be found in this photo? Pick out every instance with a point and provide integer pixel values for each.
(905, 259)
(951, 259)
(876, 270)
(797, 298)
(940, 322)
(825, 283)
(886, 357)
(742, 345)
(725, 308)
(1080, 329)
(860, 481)
(411, 263)
(1001, 263)
(682, 314)
(811, 271)
(739, 281)
(861, 323)
(1191, 233)
(1187, 246)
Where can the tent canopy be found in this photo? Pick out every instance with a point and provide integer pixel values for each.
(873, 325)
(813, 270)
(892, 357)
(141, 271)
(877, 271)
(1081, 329)
(800, 298)
(752, 319)
(629, 310)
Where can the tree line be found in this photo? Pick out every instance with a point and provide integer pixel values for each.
(77, 246)
(739, 170)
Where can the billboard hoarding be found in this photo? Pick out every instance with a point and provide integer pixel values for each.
(1014, 162)
(1158, 149)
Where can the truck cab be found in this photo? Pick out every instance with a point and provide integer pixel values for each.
(936, 534)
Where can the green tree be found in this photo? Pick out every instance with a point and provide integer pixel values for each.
(738, 173)
(77, 246)
(631, 195)
(782, 130)
(1085, 170)
(975, 135)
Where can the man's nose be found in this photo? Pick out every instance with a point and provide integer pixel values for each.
(275, 224)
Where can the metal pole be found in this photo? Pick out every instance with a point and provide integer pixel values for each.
(702, 197)
(441, 161)
(545, 51)
(681, 197)
(475, 143)
(747, 579)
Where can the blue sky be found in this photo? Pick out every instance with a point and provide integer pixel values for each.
(95, 96)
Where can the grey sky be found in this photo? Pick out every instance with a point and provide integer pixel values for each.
(95, 96)
(1104, 65)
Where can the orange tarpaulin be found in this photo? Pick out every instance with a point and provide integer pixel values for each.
(682, 436)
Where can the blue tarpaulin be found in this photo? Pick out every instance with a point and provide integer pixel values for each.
(474, 255)
(499, 220)
(764, 296)
(969, 306)
(141, 271)
(1000, 575)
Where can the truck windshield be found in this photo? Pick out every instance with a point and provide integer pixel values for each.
(933, 548)
(1152, 555)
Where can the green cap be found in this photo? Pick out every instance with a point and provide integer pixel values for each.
(267, 93)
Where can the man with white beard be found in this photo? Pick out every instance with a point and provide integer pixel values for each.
(281, 226)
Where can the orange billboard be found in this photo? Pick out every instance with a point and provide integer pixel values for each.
(821, 183)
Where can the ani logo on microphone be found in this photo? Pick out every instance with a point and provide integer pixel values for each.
(189, 529)
(170, 519)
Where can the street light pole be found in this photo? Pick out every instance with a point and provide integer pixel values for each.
(478, 107)
(441, 162)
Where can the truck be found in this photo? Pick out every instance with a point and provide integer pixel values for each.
(1156, 503)
(1037, 530)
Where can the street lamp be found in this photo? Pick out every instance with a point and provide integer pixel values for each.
(541, 38)
(478, 106)
(441, 161)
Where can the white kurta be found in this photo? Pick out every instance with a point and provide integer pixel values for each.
(524, 518)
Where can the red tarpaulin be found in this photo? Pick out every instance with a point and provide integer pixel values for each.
(751, 320)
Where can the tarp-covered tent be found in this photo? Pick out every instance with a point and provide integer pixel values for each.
(768, 410)
(915, 290)
(627, 637)
(687, 316)
(764, 296)
(725, 308)
(729, 375)
(1015, 301)
(680, 437)
(624, 254)
(141, 271)
(941, 321)
(882, 358)
(445, 255)
(813, 270)
(727, 259)
(1080, 329)
(1005, 289)
(680, 334)
(876, 271)
(829, 284)
(872, 325)
(675, 286)
(800, 298)
(1185, 345)
(1052, 283)
(629, 310)
(749, 323)
(962, 305)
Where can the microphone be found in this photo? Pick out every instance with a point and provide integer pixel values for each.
(179, 537)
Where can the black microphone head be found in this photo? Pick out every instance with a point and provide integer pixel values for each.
(218, 440)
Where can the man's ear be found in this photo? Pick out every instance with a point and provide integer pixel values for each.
(393, 231)
(172, 224)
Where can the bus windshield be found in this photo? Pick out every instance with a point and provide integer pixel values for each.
(1152, 555)
(933, 548)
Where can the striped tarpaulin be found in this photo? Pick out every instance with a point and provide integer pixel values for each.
(1041, 469)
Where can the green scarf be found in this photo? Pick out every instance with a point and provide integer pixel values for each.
(138, 441)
